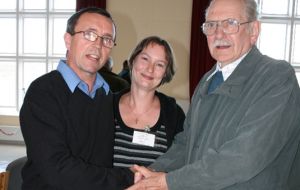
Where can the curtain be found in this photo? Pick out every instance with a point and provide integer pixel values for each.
(90, 3)
(200, 59)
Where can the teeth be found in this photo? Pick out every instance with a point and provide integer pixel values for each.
(219, 43)
(94, 56)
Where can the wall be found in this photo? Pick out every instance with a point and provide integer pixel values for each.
(169, 19)
(10, 130)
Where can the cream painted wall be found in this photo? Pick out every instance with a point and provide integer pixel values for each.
(169, 19)
(136, 19)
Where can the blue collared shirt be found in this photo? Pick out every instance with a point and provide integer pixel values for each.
(73, 80)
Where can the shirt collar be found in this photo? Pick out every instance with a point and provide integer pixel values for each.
(73, 80)
(227, 69)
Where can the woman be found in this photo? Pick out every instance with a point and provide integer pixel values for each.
(146, 120)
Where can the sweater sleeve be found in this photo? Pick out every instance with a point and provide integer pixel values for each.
(180, 119)
(173, 116)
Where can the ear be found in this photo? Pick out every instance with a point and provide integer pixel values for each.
(68, 39)
(254, 31)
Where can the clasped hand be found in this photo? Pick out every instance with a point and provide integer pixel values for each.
(146, 179)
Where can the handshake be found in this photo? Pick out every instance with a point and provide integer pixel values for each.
(147, 179)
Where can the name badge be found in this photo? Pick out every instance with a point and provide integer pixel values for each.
(143, 138)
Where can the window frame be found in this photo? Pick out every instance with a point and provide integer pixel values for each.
(49, 57)
(291, 18)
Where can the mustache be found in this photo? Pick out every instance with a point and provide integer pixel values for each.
(221, 43)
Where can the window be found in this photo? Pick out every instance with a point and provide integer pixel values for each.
(280, 30)
(31, 39)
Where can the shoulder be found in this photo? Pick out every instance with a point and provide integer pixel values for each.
(169, 104)
(266, 64)
(276, 70)
(265, 69)
(280, 66)
(165, 99)
(46, 81)
(117, 96)
(47, 86)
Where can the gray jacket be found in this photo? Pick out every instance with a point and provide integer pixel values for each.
(244, 135)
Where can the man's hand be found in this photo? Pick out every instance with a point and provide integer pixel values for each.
(150, 180)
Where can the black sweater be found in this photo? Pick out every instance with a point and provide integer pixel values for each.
(69, 138)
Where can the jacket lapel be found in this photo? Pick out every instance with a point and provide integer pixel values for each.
(233, 86)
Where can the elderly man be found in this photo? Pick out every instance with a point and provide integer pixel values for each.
(242, 130)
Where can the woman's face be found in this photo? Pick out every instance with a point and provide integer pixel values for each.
(149, 67)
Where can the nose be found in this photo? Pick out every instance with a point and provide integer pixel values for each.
(150, 67)
(98, 42)
(219, 31)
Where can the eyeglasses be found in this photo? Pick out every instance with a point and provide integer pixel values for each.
(92, 36)
(229, 26)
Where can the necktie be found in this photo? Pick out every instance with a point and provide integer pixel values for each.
(215, 81)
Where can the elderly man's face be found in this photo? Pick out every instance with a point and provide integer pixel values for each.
(227, 48)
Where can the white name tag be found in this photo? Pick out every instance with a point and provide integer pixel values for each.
(143, 138)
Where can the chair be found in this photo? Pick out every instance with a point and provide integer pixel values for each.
(4, 180)
(14, 168)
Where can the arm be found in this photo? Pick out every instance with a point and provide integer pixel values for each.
(173, 116)
(166, 162)
(180, 119)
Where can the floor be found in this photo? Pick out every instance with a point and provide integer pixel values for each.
(10, 152)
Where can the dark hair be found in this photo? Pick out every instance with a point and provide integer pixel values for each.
(72, 21)
(170, 70)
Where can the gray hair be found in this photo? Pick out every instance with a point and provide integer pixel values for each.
(250, 9)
